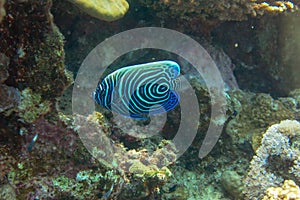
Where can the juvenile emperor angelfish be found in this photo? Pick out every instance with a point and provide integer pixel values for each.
(138, 90)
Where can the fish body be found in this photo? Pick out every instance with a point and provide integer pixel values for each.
(138, 90)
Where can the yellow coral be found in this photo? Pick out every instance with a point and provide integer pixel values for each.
(278, 7)
(288, 191)
(107, 10)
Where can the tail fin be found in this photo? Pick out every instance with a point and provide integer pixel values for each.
(180, 83)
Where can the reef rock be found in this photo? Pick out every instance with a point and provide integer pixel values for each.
(9, 96)
(224, 65)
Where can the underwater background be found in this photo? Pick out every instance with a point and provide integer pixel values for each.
(255, 46)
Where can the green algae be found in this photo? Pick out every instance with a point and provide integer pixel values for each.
(31, 106)
(87, 184)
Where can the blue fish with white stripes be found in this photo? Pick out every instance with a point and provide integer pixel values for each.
(139, 90)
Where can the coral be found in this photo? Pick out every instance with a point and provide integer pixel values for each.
(145, 181)
(201, 14)
(146, 170)
(103, 9)
(56, 166)
(96, 135)
(2, 10)
(50, 162)
(254, 113)
(206, 178)
(278, 7)
(87, 184)
(276, 159)
(191, 185)
(140, 170)
(31, 106)
(288, 191)
(160, 158)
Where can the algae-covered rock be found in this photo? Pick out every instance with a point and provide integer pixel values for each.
(255, 112)
(7, 192)
(51, 76)
(232, 183)
(34, 47)
(106, 10)
(296, 95)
